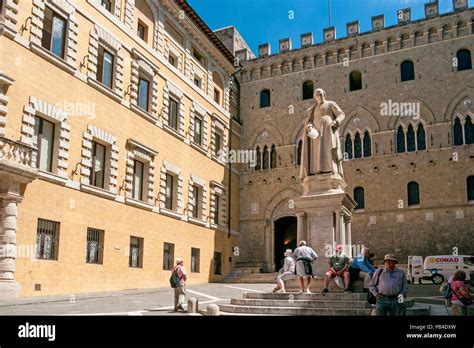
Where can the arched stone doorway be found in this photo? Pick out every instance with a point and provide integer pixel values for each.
(285, 238)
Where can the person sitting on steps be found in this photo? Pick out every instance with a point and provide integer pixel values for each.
(287, 272)
(338, 266)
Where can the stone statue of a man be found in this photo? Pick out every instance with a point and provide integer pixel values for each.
(321, 152)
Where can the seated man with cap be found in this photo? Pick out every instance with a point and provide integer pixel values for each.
(390, 286)
(287, 272)
(338, 266)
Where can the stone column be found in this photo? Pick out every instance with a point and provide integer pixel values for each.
(338, 227)
(343, 229)
(349, 237)
(9, 288)
(268, 265)
(301, 230)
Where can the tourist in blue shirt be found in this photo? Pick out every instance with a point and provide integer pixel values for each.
(362, 263)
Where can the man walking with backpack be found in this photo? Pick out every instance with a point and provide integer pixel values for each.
(178, 282)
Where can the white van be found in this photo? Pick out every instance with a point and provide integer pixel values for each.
(439, 268)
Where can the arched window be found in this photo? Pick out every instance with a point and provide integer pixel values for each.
(273, 157)
(355, 80)
(264, 98)
(298, 152)
(464, 60)
(457, 130)
(407, 71)
(470, 188)
(367, 144)
(259, 159)
(359, 197)
(413, 191)
(468, 131)
(308, 89)
(420, 137)
(400, 140)
(348, 147)
(410, 139)
(357, 146)
(265, 157)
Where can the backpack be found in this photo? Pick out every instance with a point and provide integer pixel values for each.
(446, 291)
(175, 282)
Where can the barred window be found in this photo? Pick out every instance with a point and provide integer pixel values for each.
(136, 252)
(195, 256)
(173, 110)
(47, 240)
(168, 256)
(95, 245)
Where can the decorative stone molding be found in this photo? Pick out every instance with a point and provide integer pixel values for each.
(218, 189)
(142, 68)
(137, 151)
(99, 36)
(130, 13)
(171, 89)
(10, 14)
(198, 181)
(5, 82)
(176, 171)
(40, 108)
(218, 126)
(198, 109)
(66, 10)
(111, 170)
(116, 6)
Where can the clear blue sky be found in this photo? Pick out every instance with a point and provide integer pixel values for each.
(260, 21)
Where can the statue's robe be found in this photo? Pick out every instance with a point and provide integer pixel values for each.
(324, 153)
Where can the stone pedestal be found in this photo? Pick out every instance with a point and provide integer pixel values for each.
(325, 211)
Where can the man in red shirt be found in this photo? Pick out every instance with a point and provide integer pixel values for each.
(180, 291)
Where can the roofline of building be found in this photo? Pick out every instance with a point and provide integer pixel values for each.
(183, 4)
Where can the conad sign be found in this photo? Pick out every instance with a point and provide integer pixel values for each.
(443, 259)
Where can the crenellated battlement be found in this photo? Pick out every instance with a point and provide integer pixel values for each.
(406, 34)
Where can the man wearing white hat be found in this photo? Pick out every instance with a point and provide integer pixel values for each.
(180, 290)
(287, 272)
(390, 286)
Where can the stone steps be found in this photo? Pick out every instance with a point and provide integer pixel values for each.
(265, 310)
(252, 278)
(315, 304)
(310, 297)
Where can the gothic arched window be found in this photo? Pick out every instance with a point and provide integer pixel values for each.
(413, 190)
(420, 137)
(259, 159)
(265, 157)
(273, 157)
(457, 130)
(410, 139)
(400, 140)
(367, 144)
(348, 147)
(298, 152)
(357, 146)
(468, 131)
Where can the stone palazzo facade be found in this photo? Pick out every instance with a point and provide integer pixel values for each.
(408, 96)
